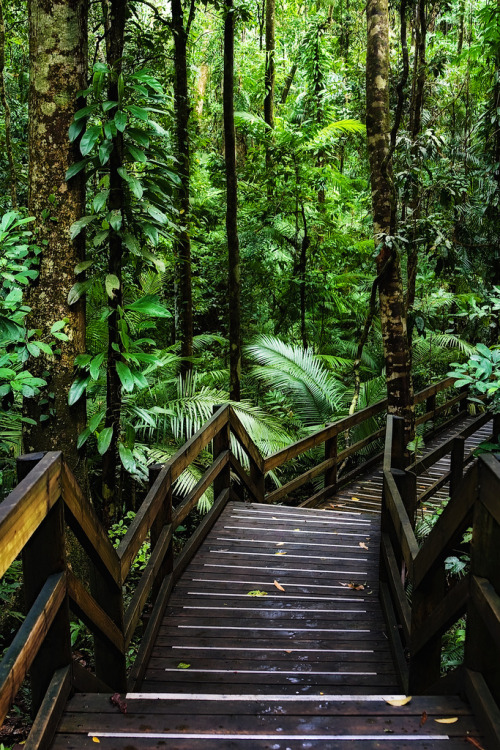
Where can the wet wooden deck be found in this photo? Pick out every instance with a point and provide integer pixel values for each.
(274, 638)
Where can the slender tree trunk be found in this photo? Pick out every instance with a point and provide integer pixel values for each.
(392, 313)
(58, 67)
(233, 247)
(6, 109)
(288, 83)
(269, 71)
(182, 113)
(302, 273)
(116, 12)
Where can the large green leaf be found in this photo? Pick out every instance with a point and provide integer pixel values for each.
(125, 376)
(150, 305)
(104, 440)
(77, 389)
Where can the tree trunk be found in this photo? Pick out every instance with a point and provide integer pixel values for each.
(116, 12)
(58, 68)
(7, 120)
(392, 314)
(233, 247)
(182, 113)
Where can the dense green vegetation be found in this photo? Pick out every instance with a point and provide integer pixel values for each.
(151, 281)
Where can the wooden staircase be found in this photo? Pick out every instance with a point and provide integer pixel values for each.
(276, 627)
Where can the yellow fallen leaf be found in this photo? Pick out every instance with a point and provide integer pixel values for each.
(278, 586)
(257, 593)
(280, 544)
(296, 529)
(183, 665)
(363, 545)
(95, 739)
(450, 720)
(398, 701)
(356, 499)
(280, 553)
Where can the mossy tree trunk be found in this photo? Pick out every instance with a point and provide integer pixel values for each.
(392, 309)
(58, 67)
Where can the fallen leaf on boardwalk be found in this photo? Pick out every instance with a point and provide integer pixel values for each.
(363, 545)
(423, 718)
(278, 586)
(280, 544)
(331, 505)
(257, 593)
(117, 701)
(450, 720)
(296, 529)
(398, 701)
(474, 742)
(356, 499)
(95, 739)
(280, 553)
(288, 652)
(356, 586)
(183, 665)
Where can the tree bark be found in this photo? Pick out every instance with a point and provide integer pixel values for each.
(182, 114)
(233, 247)
(7, 119)
(58, 67)
(269, 78)
(392, 313)
(115, 28)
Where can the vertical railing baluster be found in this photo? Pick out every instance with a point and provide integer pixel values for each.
(163, 518)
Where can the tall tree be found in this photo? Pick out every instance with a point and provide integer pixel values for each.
(269, 77)
(114, 15)
(7, 118)
(58, 67)
(233, 245)
(390, 286)
(180, 29)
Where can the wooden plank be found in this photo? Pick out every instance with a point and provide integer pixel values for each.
(355, 447)
(394, 582)
(307, 476)
(450, 523)
(394, 638)
(425, 496)
(247, 481)
(30, 636)
(52, 707)
(192, 546)
(86, 682)
(163, 518)
(245, 440)
(93, 615)
(401, 522)
(444, 614)
(187, 505)
(24, 509)
(490, 484)
(484, 706)
(342, 481)
(83, 520)
(141, 593)
(148, 639)
(487, 603)
(431, 390)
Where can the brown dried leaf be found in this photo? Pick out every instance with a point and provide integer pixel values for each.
(363, 545)
(423, 718)
(356, 586)
(474, 742)
(278, 586)
(119, 702)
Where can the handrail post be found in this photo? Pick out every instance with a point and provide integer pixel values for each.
(221, 443)
(43, 555)
(164, 518)
(331, 450)
(405, 482)
(457, 464)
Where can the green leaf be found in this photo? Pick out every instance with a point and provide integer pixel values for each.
(45, 348)
(96, 420)
(81, 267)
(105, 150)
(136, 187)
(137, 154)
(139, 137)
(111, 283)
(84, 112)
(82, 437)
(75, 168)
(115, 219)
(33, 349)
(156, 214)
(89, 139)
(138, 112)
(104, 440)
(121, 87)
(77, 389)
(151, 232)
(110, 130)
(149, 305)
(58, 325)
(82, 360)
(75, 129)
(131, 243)
(125, 376)
(127, 457)
(120, 120)
(139, 379)
(77, 290)
(77, 226)
(106, 106)
(100, 237)
(95, 366)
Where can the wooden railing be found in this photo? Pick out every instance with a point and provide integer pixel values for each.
(419, 601)
(33, 521)
(339, 433)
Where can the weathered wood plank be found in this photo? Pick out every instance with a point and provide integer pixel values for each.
(93, 615)
(187, 505)
(48, 716)
(394, 582)
(24, 648)
(444, 614)
(484, 706)
(247, 481)
(24, 509)
(307, 476)
(402, 525)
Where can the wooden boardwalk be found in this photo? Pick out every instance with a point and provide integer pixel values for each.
(274, 638)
